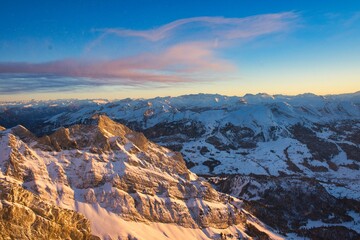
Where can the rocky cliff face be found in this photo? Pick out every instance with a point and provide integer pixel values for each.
(105, 165)
(24, 215)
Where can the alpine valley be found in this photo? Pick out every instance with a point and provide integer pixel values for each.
(215, 167)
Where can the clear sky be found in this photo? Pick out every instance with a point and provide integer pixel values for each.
(140, 49)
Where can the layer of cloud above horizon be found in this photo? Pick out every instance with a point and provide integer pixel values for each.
(192, 60)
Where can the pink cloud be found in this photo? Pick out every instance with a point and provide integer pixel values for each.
(179, 63)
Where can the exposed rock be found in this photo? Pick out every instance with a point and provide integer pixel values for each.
(352, 151)
(232, 137)
(60, 140)
(320, 149)
(240, 137)
(179, 131)
(256, 233)
(23, 215)
(23, 133)
(174, 147)
(211, 164)
(218, 144)
(291, 166)
(204, 150)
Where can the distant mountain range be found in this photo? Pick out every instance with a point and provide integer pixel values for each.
(259, 148)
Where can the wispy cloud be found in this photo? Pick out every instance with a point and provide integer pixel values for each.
(29, 83)
(180, 63)
(227, 28)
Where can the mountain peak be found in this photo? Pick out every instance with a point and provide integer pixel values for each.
(98, 133)
(2, 128)
(96, 119)
(103, 122)
(23, 133)
(108, 127)
(100, 117)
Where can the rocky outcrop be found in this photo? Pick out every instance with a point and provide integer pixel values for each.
(23, 215)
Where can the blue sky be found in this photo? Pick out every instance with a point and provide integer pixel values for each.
(118, 49)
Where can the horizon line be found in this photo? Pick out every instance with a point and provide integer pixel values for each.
(180, 95)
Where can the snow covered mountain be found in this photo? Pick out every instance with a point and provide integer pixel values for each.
(286, 140)
(127, 186)
(260, 134)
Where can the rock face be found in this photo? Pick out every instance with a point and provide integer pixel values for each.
(23, 215)
(103, 164)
